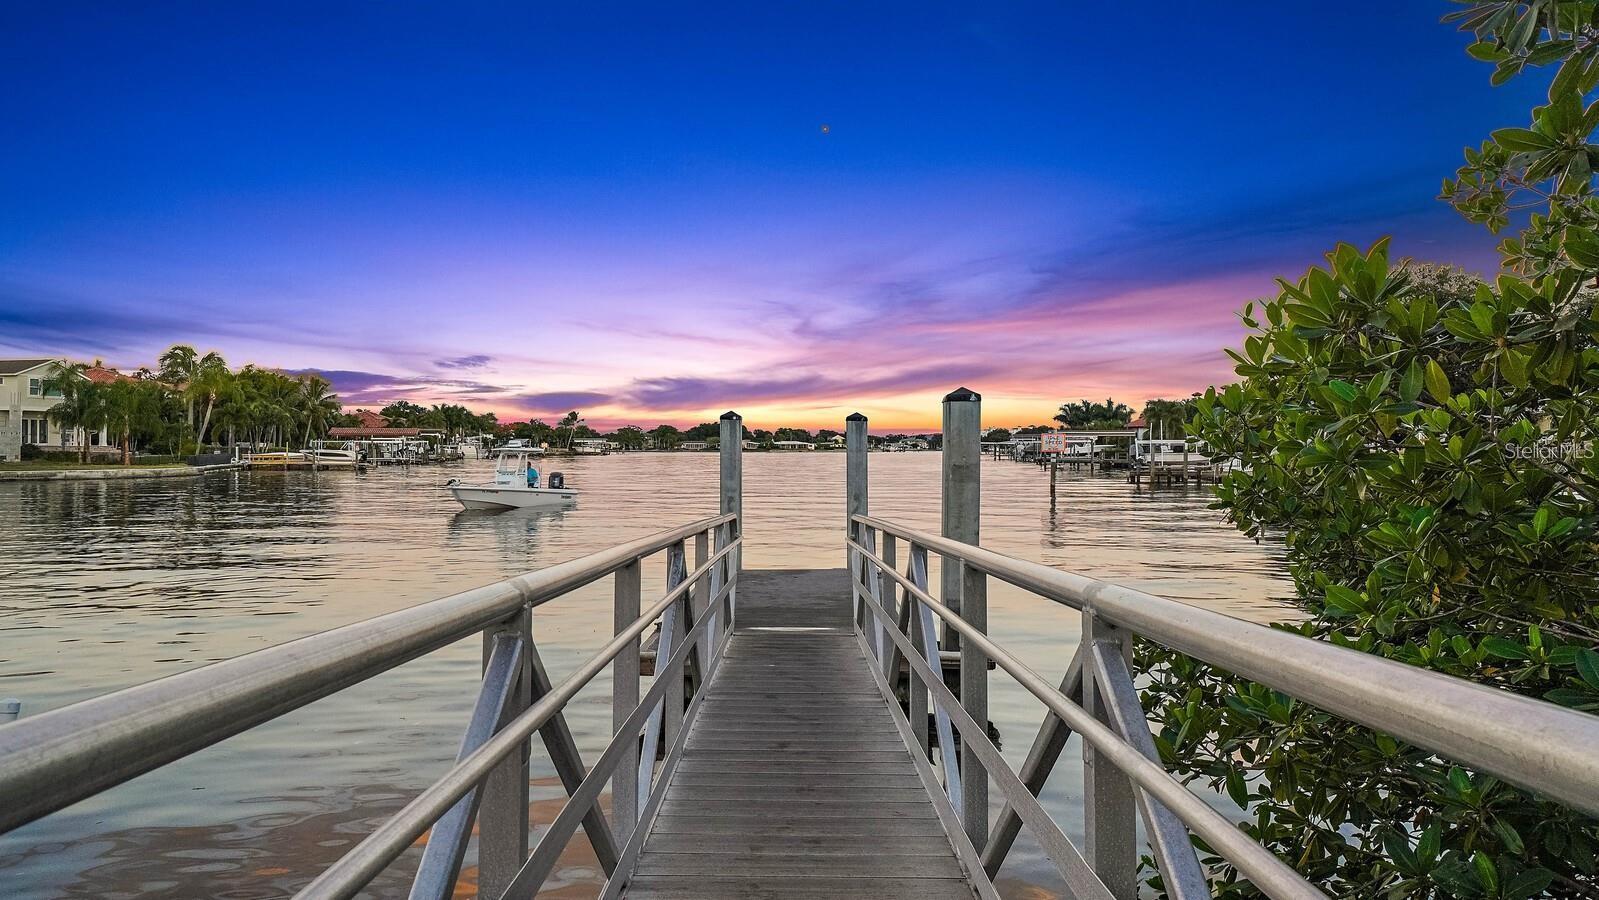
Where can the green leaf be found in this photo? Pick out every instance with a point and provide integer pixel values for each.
(1399, 851)
(1437, 382)
(1344, 600)
(1504, 648)
(1487, 875)
(1514, 366)
(1236, 789)
(1343, 389)
(1582, 246)
(1588, 666)
(1528, 884)
(1486, 51)
(1522, 140)
(1410, 382)
(1427, 846)
(1572, 76)
(1508, 836)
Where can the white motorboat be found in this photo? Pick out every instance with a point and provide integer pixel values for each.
(516, 485)
(1171, 451)
(348, 452)
(516, 445)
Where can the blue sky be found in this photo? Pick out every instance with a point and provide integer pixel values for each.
(637, 208)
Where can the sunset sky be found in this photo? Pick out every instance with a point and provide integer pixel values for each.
(656, 212)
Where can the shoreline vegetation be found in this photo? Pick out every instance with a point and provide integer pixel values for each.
(192, 402)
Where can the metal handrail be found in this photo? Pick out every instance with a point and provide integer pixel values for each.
(1531, 743)
(57, 758)
(1257, 863)
(346, 877)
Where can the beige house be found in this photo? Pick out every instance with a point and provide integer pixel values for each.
(25, 405)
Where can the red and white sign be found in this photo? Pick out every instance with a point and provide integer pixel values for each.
(1052, 442)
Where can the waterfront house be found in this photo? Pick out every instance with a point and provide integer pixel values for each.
(25, 406)
(23, 403)
(793, 445)
(694, 446)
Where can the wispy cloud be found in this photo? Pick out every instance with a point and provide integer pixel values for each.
(562, 401)
(373, 387)
(475, 361)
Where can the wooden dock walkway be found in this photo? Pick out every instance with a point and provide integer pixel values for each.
(796, 781)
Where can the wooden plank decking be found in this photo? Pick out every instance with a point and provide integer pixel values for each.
(795, 781)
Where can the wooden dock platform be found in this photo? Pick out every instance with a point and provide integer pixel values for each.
(796, 780)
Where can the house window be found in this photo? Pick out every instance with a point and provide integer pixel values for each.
(35, 431)
(35, 387)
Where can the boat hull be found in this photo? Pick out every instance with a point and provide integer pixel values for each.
(478, 497)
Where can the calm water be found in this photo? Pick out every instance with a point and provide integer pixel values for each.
(105, 585)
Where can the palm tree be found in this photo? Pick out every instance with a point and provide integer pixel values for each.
(231, 412)
(1084, 414)
(318, 404)
(178, 367)
(211, 382)
(79, 401)
(1167, 418)
(132, 408)
(570, 422)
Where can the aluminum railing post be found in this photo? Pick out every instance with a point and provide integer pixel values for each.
(676, 571)
(701, 593)
(732, 468)
(624, 698)
(965, 588)
(1110, 812)
(502, 814)
(855, 447)
(916, 571)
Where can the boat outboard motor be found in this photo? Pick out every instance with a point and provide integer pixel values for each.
(557, 481)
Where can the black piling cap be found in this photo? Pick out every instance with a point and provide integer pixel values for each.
(730, 415)
(854, 417)
(961, 395)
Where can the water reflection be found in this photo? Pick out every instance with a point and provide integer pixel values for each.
(107, 584)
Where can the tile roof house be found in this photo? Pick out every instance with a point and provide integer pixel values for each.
(370, 419)
(25, 403)
(100, 374)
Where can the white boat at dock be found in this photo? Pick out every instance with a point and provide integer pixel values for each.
(347, 452)
(515, 486)
(1171, 452)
